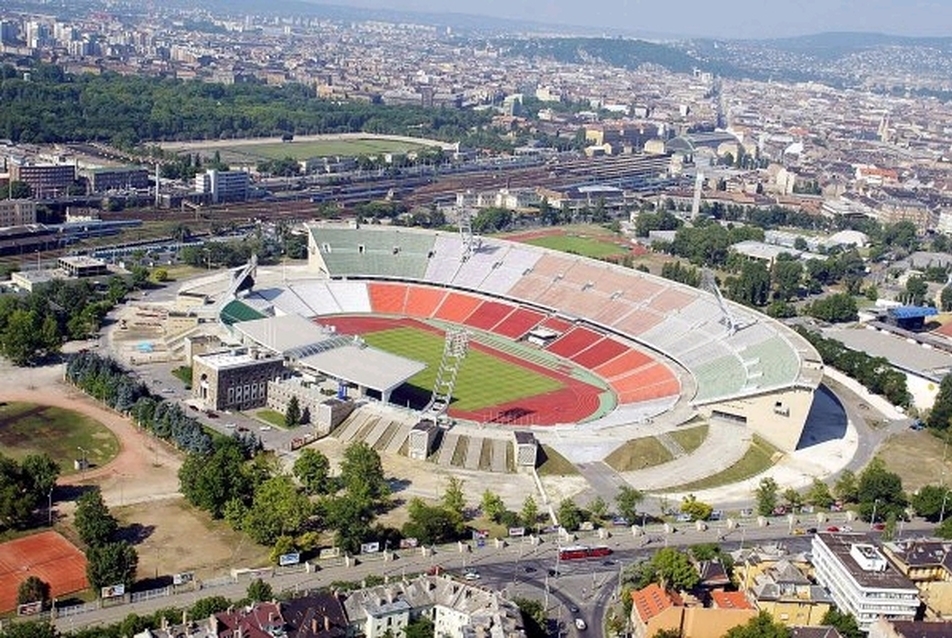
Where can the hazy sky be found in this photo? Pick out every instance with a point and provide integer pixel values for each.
(723, 18)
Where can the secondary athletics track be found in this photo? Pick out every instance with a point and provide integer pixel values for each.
(46, 555)
(574, 402)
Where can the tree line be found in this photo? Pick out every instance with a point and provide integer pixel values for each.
(108, 382)
(126, 110)
(875, 373)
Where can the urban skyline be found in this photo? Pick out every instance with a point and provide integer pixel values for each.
(728, 19)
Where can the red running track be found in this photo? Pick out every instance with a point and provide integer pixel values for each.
(575, 401)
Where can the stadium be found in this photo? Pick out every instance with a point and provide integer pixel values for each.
(582, 350)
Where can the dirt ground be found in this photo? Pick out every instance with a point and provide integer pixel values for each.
(918, 458)
(172, 537)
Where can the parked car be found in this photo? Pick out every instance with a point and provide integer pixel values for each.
(471, 576)
(580, 624)
(832, 528)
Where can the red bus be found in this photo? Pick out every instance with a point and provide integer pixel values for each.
(575, 552)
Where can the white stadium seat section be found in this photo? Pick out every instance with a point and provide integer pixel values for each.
(352, 296)
(510, 269)
(286, 301)
(316, 295)
(445, 261)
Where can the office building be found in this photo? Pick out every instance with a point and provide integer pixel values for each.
(223, 186)
(234, 379)
(17, 212)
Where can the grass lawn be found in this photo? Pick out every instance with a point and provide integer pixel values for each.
(270, 416)
(759, 457)
(554, 464)
(637, 454)
(320, 148)
(483, 380)
(28, 428)
(581, 245)
(184, 374)
(690, 438)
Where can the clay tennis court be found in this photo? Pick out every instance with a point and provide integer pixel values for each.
(48, 556)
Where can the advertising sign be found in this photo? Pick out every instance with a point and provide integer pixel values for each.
(370, 548)
(289, 559)
(408, 543)
(183, 578)
(329, 552)
(517, 531)
(114, 591)
(30, 609)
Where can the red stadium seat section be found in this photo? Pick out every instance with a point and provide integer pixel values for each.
(456, 307)
(521, 321)
(604, 350)
(388, 299)
(573, 342)
(653, 381)
(422, 301)
(488, 314)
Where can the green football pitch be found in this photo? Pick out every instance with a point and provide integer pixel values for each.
(483, 381)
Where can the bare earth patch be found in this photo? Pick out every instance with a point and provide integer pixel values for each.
(917, 457)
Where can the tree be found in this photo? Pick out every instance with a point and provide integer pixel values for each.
(362, 473)
(667, 633)
(453, 498)
(111, 564)
(492, 505)
(843, 622)
(766, 494)
(940, 418)
(209, 481)
(761, 626)
(40, 472)
(792, 499)
(945, 299)
(880, 492)
(30, 629)
(432, 524)
(160, 275)
(533, 616)
(598, 508)
(259, 591)
(93, 521)
(846, 487)
(422, 627)
(312, 468)
(278, 509)
(673, 569)
(836, 308)
(205, 607)
(929, 502)
(17, 190)
(530, 512)
(697, 510)
(292, 416)
(627, 501)
(350, 518)
(32, 590)
(944, 529)
(570, 517)
(819, 494)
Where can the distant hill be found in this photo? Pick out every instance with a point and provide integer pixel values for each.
(836, 45)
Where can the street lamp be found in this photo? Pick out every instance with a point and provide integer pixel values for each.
(945, 498)
(83, 463)
(49, 508)
(872, 521)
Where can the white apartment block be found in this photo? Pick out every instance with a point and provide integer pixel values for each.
(224, 186)
(861, 580)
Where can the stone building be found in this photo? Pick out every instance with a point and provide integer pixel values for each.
(234, 379)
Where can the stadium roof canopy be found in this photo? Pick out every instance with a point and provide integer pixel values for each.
(328, 353)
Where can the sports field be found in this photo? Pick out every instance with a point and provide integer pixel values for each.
(29, 428)
(316, 148)
(49, 557)
(483, 381)
(588, 240)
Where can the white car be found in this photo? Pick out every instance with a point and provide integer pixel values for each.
(230, 426)
(265, 428)
(580, 624)
(471, 576)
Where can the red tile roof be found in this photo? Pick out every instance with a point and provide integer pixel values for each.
(652, 600)
(731, 600)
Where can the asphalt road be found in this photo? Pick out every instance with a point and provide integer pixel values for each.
(519, 568)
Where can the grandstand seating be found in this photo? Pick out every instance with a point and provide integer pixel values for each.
(388, 299)
(445, 260)
(456, 307)
(488, 314)
(556, 325)
(627, 362)
(384, 252)
(721, 377)
(604, 350)
(775, 362)
(235, 312)
(284, 300)
(671, 300)
(518, 323)
(637, 322)
(573, 342)
(422, 301)
(652, 381)
(318, 297)
(351, 296)
(509, 269)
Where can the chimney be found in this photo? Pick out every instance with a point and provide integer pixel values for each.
(184, 616)
(314, 625)
(327, 622)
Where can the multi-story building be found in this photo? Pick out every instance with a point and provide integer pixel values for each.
(861, 579)
(82, 266)
(782, 590)
(234, 379)
(116, 178)
(654, 609)
(223, 186)
(17, 212)
(928, 564)
(883, 628)
(46, 180)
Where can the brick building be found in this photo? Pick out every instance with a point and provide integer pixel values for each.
(234, 379)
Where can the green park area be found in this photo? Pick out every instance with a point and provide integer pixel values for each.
(483, 381)
(307, 149)
(28, 428)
